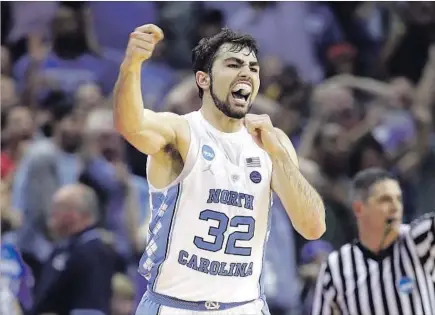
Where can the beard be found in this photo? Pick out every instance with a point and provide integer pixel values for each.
(225, 107)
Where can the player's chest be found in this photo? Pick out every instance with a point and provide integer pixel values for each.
(234, 167)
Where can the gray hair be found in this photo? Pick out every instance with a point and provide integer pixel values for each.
(88, 202)
(364, 181)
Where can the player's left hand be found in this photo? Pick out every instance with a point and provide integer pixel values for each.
(262, 131)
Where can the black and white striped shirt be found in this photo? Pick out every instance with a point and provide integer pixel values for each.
(400, 280)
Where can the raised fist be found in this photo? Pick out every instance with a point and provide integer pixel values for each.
(142, 42)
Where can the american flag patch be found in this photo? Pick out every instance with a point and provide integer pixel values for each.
(253, 162)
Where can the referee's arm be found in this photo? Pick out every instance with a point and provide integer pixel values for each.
(423, 235)
(325, 293)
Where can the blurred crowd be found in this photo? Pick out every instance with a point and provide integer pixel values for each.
(352, 84)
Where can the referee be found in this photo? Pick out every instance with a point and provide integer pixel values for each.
(390, 269)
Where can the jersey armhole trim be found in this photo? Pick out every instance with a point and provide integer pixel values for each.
(191, 158)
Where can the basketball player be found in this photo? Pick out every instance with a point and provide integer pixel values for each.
(211, 174)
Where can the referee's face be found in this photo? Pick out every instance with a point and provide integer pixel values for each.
(384, 203)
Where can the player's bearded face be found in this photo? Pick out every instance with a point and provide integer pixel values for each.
(225, 105)
(234, 82)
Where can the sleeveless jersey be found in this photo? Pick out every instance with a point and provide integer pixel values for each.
(208, 228)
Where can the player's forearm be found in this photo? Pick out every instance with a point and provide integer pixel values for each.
(128, 104)
(303, 204)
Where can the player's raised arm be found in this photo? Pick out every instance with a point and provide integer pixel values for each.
(148, 131)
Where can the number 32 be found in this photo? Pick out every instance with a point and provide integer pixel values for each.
(218, 233)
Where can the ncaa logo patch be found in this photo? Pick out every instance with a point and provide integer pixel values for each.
(207, 152)
(255, 177)
(406, 285)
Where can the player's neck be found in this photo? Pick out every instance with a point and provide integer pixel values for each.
(218, 119)
(376, 242)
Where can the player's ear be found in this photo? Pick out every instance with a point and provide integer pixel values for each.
(203, 80)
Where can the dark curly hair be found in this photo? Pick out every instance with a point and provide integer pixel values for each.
(204, 53)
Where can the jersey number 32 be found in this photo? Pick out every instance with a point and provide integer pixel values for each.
(218, 233)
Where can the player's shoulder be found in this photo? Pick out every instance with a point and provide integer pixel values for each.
(179, 124)
(187, 119)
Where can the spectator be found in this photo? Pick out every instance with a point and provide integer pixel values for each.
(68, 63)
(28, 17)
(11, 275)
(77, 276)
(410, 51)
(9, 94)
(282, 284)
(113, 21)
(157, 78)
(341, 59)
(5, 62)
(88, 97)
(297, 47)
(123, 295)
(212, 21)
(126, 199)
(19, 130)
(47, 165)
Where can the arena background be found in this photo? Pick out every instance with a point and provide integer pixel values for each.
(352, 84)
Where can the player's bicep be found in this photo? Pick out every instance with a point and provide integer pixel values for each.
(423, 234)
(157, 131)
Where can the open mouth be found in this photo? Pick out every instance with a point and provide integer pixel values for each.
(241, 92)
(239, 95)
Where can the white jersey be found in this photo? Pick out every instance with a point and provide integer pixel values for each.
(208, 229)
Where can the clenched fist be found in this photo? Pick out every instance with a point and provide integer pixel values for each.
(142, 43)
(262, 131)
